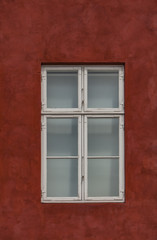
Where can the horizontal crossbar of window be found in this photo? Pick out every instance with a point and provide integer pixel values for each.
(103, 157)
(83, 113)
(62, 157)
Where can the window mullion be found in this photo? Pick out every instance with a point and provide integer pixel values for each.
(79, 155)
(85, 158)
(85, 82)
(79, 89)
(82, 158)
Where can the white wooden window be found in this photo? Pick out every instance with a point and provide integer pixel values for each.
(82, 134)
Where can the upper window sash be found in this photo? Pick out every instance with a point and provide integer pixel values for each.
(97, 89)
(100, 79)
(57, 75)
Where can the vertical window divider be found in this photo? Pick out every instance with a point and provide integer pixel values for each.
(79, 89)
(85, 157)
(82, 158)
(82, 137)
(85, 83)
(82, 94)
(79, 155)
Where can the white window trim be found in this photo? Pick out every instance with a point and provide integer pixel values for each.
(82, 112)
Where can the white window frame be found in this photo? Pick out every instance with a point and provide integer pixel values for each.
(82, 113)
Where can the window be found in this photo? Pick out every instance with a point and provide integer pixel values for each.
(82, 134)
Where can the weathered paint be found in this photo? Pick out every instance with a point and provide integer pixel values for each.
(76, 31)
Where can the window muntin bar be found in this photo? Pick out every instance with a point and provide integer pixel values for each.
(62, 157)
(102, 157)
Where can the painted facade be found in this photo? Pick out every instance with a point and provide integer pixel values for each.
(76, 32)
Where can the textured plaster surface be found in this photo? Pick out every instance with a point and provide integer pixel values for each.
(76, 31)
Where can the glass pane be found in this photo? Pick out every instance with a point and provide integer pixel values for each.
(103, 177)
(62, 136)
(62, 177)
(62, 89)
(103, 136)
(103, 89)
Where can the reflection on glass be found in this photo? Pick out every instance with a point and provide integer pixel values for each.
(103, 136)
(62, 89)
(62, 177)
(103, 177)
(103, 89)
(62, 136)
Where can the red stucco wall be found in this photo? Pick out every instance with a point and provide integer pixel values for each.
(76, 31)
